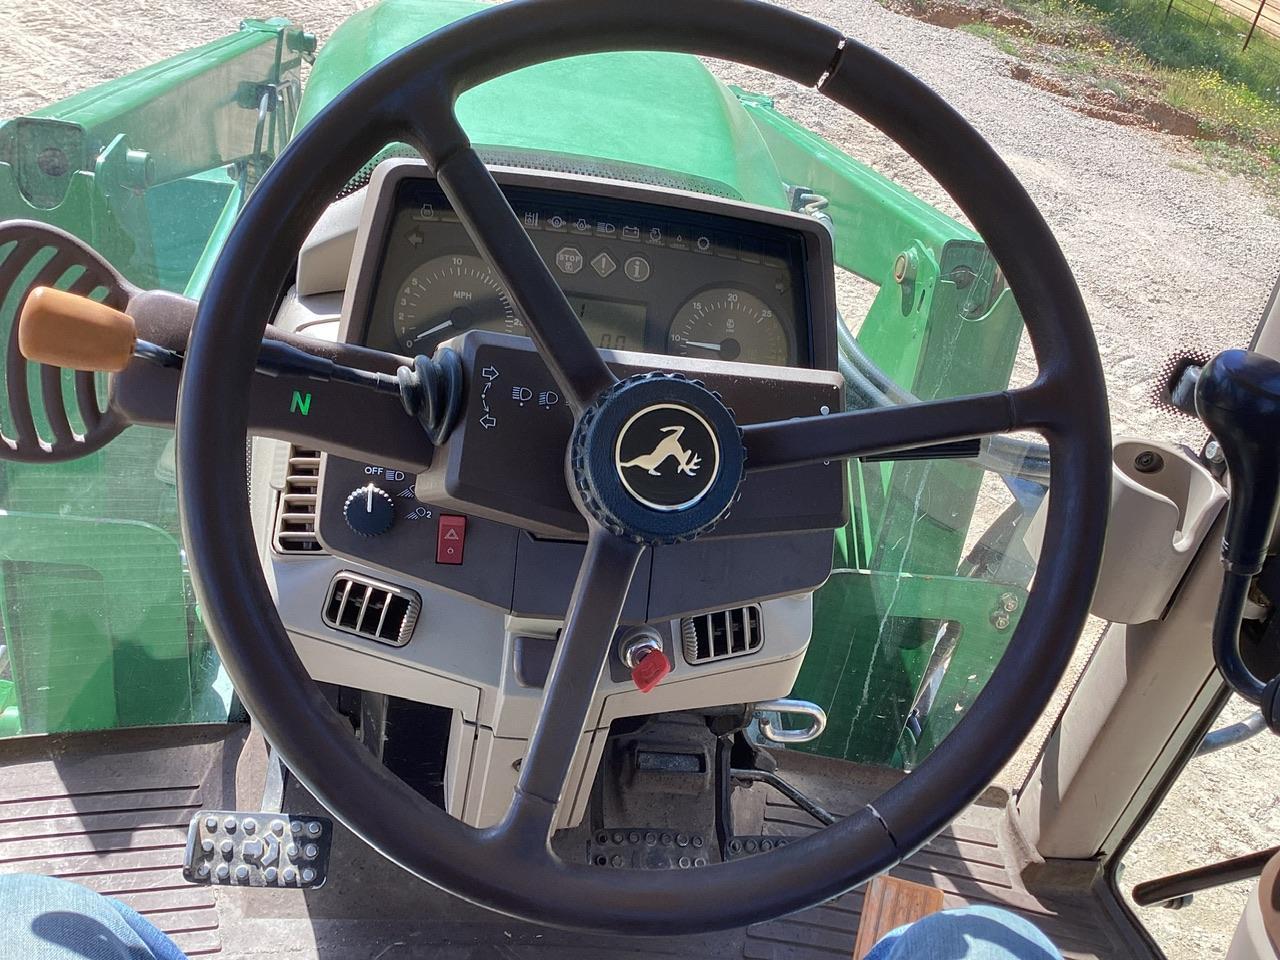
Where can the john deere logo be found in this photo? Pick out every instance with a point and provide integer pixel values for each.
(668, 447)
(667, 456)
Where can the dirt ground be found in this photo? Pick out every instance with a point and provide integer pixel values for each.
(1168, 255)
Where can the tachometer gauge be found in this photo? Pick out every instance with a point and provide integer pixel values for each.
(727, 324)
(447, 296)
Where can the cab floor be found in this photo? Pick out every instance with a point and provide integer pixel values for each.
(110, 811)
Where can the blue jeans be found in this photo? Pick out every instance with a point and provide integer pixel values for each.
(973, 933)
(46, 919)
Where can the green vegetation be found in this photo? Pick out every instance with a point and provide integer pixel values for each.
(1196, 52)
(1196, 37)
(1261, 167)
(1229, 110)
(1001, 38)
(1185, 73)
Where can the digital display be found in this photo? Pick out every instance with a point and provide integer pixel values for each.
(611, 324)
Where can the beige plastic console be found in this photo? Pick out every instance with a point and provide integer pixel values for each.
(1258, 934)
(1152, 672)
(1159, 518)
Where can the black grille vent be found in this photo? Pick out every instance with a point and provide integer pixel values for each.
(296, 509)
(719, 636)
(372, 609)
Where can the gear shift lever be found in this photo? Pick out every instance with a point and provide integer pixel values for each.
(1238, 398)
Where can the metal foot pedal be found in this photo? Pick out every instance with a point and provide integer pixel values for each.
(648, 848)
(740, 847)
(251, 849)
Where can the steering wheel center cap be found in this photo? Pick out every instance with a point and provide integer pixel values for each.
(657, 458)
(667, 456)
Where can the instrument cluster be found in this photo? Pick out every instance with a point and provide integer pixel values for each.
(650, 271)
(688, 276)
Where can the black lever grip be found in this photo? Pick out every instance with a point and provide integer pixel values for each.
(1238, 398)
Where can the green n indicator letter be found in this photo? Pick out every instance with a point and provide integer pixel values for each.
(301, 403)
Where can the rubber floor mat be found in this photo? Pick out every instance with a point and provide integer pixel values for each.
(112, 814)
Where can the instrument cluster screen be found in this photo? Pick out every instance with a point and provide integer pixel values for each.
(612, 324)
(640, 276)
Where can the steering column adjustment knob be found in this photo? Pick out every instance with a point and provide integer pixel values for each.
(369, 510)
(657, 458)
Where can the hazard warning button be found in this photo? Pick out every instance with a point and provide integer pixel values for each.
(451, 537)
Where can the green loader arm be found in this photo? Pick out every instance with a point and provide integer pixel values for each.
(143, 168)
(897, 626)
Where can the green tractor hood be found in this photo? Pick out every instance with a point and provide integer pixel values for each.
(652, 117)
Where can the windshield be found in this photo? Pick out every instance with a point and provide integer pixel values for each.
(100, 626)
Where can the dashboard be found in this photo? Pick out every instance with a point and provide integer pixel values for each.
(649, 271)
(467, 604)
(691, 276)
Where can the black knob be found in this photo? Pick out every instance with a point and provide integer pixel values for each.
(1238, 398)
(369, 510)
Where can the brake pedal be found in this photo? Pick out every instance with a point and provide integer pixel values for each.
(252, 849)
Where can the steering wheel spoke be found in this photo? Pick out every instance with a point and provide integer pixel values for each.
(885, 430)
(603, 581)
(572, 358)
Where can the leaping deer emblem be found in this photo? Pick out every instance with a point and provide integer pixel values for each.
(669, 446)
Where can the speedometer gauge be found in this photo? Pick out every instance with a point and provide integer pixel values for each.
(447, 296)
(727, 324)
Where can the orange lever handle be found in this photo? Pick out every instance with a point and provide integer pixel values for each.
(66, 330)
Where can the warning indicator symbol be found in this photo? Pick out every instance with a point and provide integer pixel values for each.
(451, 538)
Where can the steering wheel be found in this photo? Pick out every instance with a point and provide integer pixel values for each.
(510, 867)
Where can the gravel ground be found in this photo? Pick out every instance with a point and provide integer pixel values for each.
(1169, 256)
(1224, 805)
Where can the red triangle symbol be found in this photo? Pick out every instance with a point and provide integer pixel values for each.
(451, 534)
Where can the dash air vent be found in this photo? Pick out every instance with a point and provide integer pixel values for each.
(719, 636)
(371, 609)
(296, 509)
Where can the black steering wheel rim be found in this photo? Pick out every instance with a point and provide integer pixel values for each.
(505, 868)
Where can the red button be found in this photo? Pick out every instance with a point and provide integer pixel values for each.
(451, 537)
